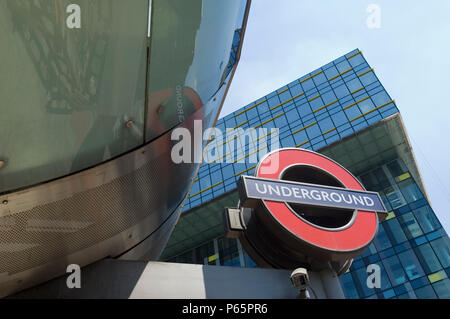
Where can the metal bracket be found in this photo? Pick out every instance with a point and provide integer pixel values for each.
(233, 222)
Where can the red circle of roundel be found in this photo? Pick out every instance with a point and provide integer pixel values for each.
(357, 235)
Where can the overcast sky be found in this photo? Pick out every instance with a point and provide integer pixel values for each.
(410, 53)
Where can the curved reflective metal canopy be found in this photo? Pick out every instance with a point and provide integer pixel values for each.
(87, 113)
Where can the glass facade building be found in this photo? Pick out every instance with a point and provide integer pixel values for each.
(342, 111)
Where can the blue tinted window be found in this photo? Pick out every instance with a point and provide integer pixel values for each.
(402, 247)
(356, 60)
(426, 218)
(401, 289)
(319, 79)
(357, 264)
(315, 104)
(410, 190)
(273, 101)
(425, 293)
(308, 85)
(205, 182)
(207, 195)
(331, 72)
(323, 87)
(341, 91)
(300, 100)
(300, 137)
(442, 288)
(339, 118)
(284, 96)
(216, 177)
(313, 131)
(227, 171)
(411, 264)
(262, 108)
(332, 138)
(326, 124)
(241, 117)
(253, 113)
(328, 97)
(359, 124)
(393, 227)
(436, 234)
(368, 78)
(427, 258)
(380, 98)
(419, 203)
(322, 115)
(346, 132)
(389, 111)
(304, 110)
(441, 247)
(365, 106)
(420, 282)
(395, 197)
(271, 94)
(382, 241)
(319, 145)
(373, 259)
(410, 225)
(389, 294)
(420, 240)
(349, 286)
(296, 90)
(287, 142)
(408, 295)
(280, 122)
(353, 112)
(343, 66)
(372, 249)
(195, 187)
(361, 67)
(360, 281)
(231, 122)
(394, 270)
(292, 115)
(354, 84)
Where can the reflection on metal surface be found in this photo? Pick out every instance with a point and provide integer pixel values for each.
(70, 91)
(195, 36)
(80, 183)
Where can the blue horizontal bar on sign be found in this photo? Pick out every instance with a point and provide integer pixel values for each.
(255, 188)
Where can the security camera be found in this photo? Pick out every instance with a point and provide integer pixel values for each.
(300, 281)
(300, 278)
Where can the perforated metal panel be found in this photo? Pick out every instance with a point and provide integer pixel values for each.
(124, 200)
(75, 223)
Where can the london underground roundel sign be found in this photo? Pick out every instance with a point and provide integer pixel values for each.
(302, 208)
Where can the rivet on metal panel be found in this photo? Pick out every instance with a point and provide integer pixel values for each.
(129, 124)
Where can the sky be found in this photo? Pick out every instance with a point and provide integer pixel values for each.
(410, 52)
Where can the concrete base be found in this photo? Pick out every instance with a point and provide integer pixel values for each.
(112, 278)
